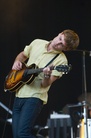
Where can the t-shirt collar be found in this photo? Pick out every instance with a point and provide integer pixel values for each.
(53, 51)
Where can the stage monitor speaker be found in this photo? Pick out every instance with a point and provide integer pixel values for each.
(59, 126)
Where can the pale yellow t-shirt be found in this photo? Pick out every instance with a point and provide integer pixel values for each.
(38, 54)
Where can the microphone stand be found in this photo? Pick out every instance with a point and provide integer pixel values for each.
(5, 108)
(85, 92)
(84, 103)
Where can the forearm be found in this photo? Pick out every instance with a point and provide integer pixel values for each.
(21, 57)
(18, 61)
(48, 80)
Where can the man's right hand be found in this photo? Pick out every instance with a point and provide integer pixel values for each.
(17, 65)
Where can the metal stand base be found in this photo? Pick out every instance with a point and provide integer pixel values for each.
(5, 108)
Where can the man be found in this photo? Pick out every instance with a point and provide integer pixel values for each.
(30, 98)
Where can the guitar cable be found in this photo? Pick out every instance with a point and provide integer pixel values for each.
(8, 111)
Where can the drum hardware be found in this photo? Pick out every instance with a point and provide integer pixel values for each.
(84, 91)
(85, 119)
(84, 53)
(83, 123)
(88, 98)
(5, 108)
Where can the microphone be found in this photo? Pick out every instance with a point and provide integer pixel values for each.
(84, 51)
(90, 53)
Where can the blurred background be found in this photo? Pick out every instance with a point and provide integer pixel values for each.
(22, 21)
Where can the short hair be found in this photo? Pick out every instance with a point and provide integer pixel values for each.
(71, 39)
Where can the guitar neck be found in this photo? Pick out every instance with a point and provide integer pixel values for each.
(34, 71)
(37, 70)
(61, 68)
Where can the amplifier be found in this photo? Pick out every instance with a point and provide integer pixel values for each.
(59, 126)
(89, 127)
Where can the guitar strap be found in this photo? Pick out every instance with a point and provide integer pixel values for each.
(51, 60)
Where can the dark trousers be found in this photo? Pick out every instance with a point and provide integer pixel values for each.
(25, 112)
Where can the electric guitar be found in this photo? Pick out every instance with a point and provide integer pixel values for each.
(17, 78)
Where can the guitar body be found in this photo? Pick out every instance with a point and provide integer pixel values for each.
(17, 78)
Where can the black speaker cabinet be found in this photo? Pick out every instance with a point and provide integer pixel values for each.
(59, 127)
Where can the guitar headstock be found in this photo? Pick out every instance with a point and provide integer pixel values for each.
(64, 68)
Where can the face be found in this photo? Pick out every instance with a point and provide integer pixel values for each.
(59, 43)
